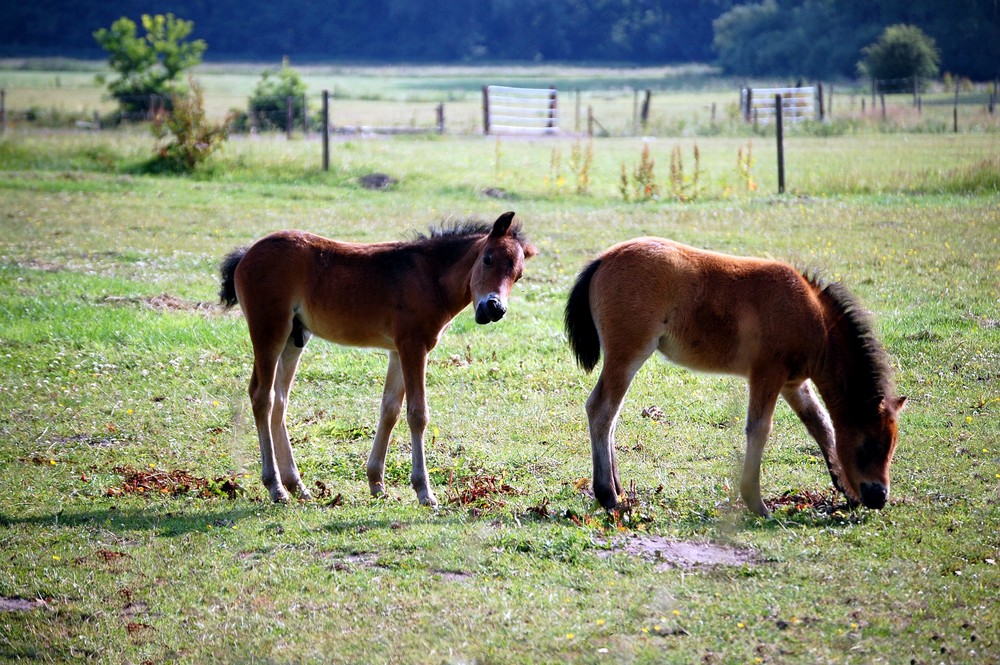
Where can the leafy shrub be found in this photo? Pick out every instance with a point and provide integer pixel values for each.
(269, 102)
(190, 138)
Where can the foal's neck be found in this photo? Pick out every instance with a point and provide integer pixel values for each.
(852, 374)
(456, 274)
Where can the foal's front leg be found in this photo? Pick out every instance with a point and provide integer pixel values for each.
(392, 401)
(414, 366)
(810, 411)
(760, 414)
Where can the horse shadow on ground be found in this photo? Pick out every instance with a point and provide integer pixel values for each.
(163, 520)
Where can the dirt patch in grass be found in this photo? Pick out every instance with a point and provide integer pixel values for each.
(353, 561)
(44, 266)
(16, 604)
(667, 553)
(163, 302)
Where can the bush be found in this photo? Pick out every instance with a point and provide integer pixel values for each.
(269, 102)
(191, 138)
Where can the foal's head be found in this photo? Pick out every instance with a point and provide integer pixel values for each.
(499, 265)
(865, 451)
(866, 413)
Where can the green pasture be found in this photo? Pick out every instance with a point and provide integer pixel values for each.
(115, 359)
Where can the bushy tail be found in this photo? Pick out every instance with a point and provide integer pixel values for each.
(227, 294)
(580, 328)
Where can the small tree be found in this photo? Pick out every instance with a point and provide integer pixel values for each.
(269, 102)
(148, 66)
(901, 53)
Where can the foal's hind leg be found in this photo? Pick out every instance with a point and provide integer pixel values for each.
(810, 411)
(603, 407)
(287, 469)
(267, 350)
(392, 402)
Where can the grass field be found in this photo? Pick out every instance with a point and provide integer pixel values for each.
(133, 526)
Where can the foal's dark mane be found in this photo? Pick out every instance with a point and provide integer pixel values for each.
(452, 238)
(870, 374)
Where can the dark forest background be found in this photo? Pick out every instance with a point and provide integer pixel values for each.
(813, 38)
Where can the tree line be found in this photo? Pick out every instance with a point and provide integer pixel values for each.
(810, 38)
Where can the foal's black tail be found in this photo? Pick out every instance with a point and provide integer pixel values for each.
(227, 294)
(580, 328)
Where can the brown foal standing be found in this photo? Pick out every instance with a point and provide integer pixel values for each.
(398, 296)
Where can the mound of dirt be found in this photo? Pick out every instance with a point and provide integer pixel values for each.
(377, 181)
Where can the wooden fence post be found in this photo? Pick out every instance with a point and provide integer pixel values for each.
(644, 113)
(305, 116)
(747, 112)
(590, 121)
(778, 112)
(553, 108)
(486, 110)
(289, 116)
(440, 118)
(326, 130)
(819, 97)
(3, 110)
(955, 108)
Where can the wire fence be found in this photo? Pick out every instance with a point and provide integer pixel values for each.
(548, 111)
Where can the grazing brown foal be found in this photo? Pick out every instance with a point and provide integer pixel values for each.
(756, 318)
(398, 296)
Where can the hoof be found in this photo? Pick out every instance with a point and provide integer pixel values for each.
(377, 489)
(608, 498)
(281, 495)
(303, 493)
(427, 499)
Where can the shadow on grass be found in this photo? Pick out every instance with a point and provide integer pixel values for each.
(161, 519)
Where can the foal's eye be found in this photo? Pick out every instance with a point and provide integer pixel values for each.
(487, 259)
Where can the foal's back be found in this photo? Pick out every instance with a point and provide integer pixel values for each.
(704, 310)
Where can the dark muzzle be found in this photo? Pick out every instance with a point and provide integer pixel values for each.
(490, 309)
(874, 495)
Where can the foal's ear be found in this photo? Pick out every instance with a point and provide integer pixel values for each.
(502, 224)
(529, 250)
(893, 405)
